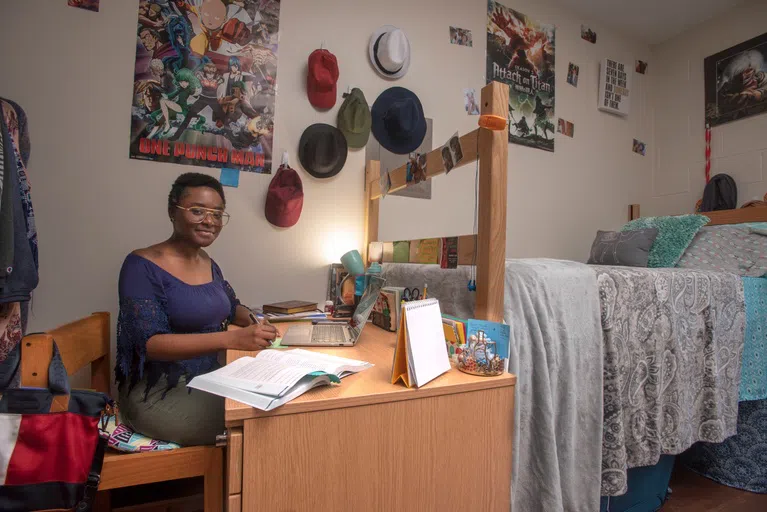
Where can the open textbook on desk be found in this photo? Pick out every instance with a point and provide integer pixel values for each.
(275, 377)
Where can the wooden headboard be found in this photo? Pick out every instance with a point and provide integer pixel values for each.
(721, 217)
(739, 216)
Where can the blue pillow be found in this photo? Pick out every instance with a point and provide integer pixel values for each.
(674, 235)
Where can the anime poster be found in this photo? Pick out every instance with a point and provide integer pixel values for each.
(205, 82)
(520, 53)
(736, 82)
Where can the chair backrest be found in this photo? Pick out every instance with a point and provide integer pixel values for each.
(82, 342)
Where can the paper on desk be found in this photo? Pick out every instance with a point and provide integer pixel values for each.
(257, 400)
(339, 366)
(262, 374)
(274, 373)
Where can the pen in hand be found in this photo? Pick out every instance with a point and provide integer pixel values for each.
(256, 321)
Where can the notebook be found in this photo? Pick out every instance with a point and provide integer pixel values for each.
(272, 377)
(421, 353)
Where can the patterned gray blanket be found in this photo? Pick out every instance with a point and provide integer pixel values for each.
(673, 342)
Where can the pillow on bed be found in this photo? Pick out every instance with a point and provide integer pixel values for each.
(736, 248)
(674, 235)
(626, 248)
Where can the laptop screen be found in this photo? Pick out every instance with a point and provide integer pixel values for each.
(365, 306)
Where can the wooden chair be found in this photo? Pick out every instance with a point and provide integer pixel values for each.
(86, 342)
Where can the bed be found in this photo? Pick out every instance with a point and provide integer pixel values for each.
(595, 398)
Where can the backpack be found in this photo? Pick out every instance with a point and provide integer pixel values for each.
(720, 193)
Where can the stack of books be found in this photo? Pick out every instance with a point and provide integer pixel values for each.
(293, 310)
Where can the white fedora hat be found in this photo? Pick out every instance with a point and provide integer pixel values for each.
(390, 52)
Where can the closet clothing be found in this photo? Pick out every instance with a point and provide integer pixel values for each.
(21, 277)
(153, 301)
(6, 216)
(14, 126)
(10, 328)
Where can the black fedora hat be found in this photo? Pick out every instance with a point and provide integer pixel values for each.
(398, 122)
(322, 150)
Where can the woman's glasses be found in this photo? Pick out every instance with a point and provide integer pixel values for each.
(197, 215)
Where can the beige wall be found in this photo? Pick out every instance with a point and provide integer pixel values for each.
(678, 144)
(72, 71)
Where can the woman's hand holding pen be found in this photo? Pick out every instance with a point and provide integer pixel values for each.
(256, 336)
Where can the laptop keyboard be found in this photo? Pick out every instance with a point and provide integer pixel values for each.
(328, 334)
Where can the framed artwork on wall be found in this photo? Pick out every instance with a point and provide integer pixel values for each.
(614, 87)
(736, 82)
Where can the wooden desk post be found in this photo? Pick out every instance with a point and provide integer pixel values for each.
(491, 234)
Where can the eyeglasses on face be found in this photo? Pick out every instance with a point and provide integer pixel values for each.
(197, 215)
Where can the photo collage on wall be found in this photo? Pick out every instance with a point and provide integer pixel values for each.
(204, 83)
(520, 53)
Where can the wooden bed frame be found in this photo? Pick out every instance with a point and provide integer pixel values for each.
(492, 150)
(722, 217)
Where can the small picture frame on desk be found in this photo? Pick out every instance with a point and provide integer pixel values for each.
(341, 291)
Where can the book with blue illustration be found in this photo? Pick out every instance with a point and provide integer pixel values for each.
(496, 335)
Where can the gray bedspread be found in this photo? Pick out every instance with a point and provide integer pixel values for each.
(556, 353)
(673, 341)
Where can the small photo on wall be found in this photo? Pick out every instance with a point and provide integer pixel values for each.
(455, 148)
(470, 102)
(415, 172)
(572, 74)
(447, 159)
(641, 67)
(588, 34)
(565, 127)
(460, 36)
(90, 5)
(639, 147)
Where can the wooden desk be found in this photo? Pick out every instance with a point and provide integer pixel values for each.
(369, 445)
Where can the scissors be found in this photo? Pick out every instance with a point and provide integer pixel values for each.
(411, 294)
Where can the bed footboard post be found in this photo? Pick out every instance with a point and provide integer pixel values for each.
(491, 234)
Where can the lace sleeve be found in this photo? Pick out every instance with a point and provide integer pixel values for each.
(138, 320)
(232, 299)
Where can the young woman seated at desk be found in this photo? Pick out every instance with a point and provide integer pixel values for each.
(174, 308)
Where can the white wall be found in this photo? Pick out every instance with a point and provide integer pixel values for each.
(678, 145)
(72, 71)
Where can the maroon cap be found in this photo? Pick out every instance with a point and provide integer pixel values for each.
(285, 198)
(322, 78)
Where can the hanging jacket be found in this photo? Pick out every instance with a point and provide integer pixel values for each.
(721, 193)
(23, 279)
(16, 126)
(6, 216)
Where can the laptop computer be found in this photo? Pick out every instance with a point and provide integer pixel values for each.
(326, 333)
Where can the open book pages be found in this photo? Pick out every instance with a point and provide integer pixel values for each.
(273, 377)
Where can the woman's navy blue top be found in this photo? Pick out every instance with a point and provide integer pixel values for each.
(153, 301)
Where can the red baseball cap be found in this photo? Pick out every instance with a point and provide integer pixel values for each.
(285, 198)
(321, 79)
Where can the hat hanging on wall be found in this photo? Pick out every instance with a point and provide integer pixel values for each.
(285, 198)
(322, 150)
(390, 52)
(398, 122)
(354, 119)
(321, 79)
